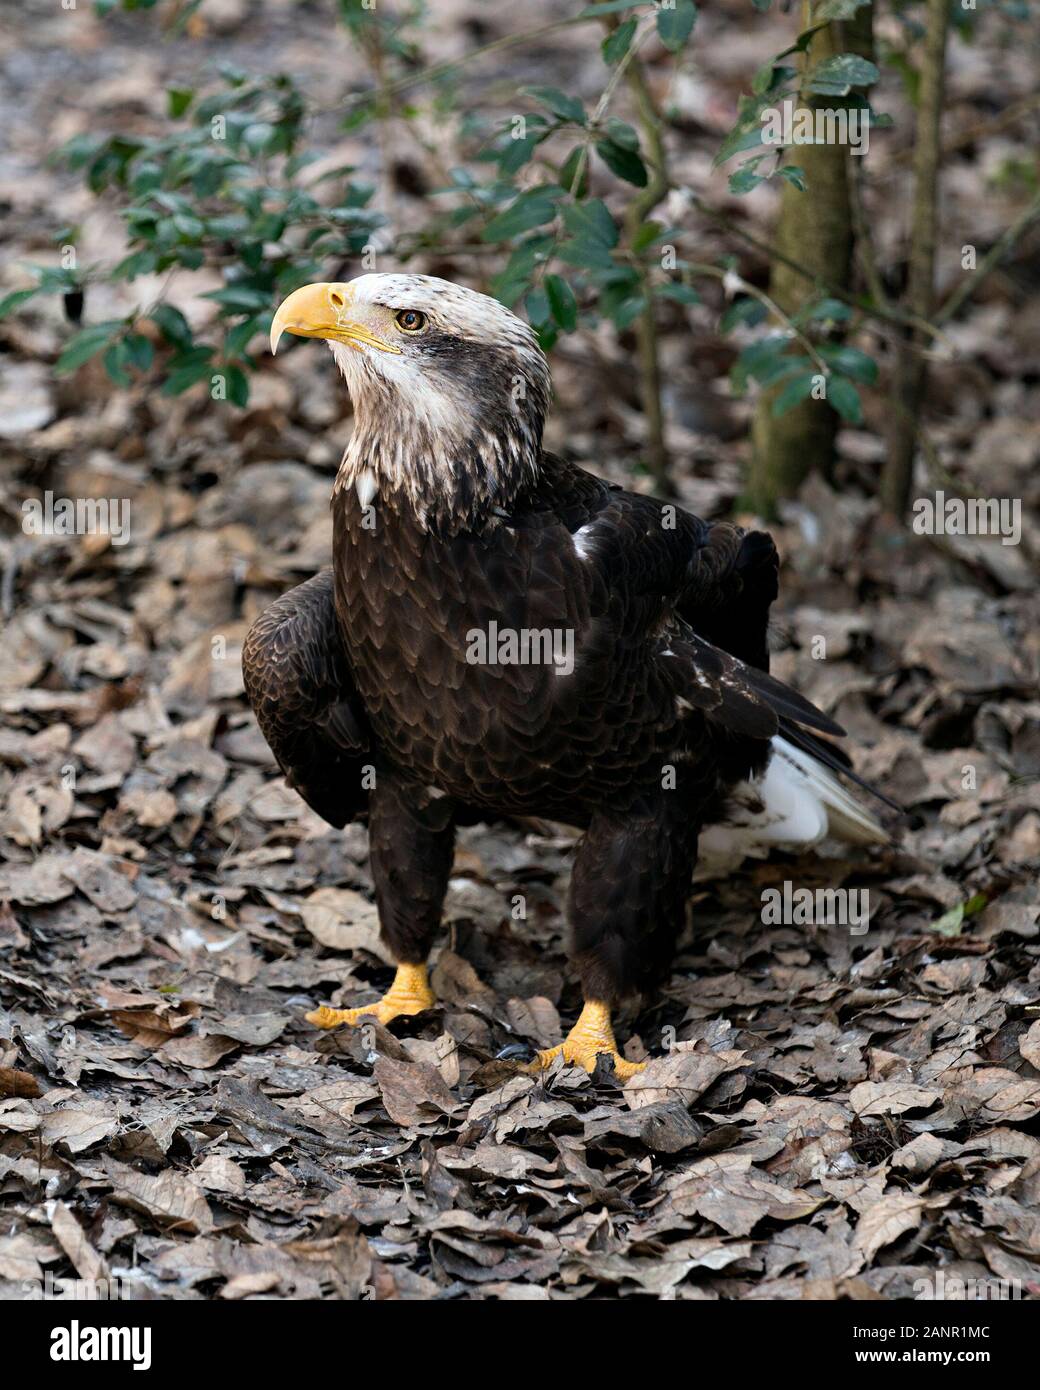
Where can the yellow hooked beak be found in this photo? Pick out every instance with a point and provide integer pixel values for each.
(324, 311)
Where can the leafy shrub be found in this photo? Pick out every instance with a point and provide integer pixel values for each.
(225, 187)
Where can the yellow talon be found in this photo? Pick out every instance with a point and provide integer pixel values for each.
(590, 1037)
(410, 993)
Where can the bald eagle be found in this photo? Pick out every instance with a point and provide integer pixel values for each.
(503, 634)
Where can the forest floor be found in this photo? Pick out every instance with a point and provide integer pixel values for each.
(827, 1114)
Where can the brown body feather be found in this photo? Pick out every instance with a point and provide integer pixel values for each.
(637, 745)
(449, 520)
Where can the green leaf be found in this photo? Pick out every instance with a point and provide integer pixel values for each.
(55, 279)
(537, 306)
(850, 362)
(771, 77)
(748, 311)
(777, 369)
(675, 24)
(259, 137)
(190, 227)
(547, 334)
(12, 301)
(237, 385)
(178, 99)
(85, 344)
(515, 280)
(745, 179)
(240, 299)
(586, 253)
(796, 391)
(624, 163)
(615, 45)
(238, 338)
(622, 133)
(143, 262)
(764, 360)
(746, 135)
(623, 309)
(610, 7)
(562, 302)
(837, 76)
(115, 362)
(172, 325)
(682, 294)
(569, 173)
(564, 107)
(591, 219)
(516, 153)
(793, 175)
(824, 310)
(647, 234)
(531, 209)
(844, 397)
(187, 370)
(139, 351)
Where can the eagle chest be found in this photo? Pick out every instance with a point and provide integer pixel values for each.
(427, 622)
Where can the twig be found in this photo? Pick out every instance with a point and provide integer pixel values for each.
(640, 207)
(736, 282)
(992, 258)
(606, 96)
(980, 131)
(862, 239)
(438, 70)
(886, 314)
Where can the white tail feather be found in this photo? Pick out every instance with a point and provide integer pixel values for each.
(847, 818)
(795, 804)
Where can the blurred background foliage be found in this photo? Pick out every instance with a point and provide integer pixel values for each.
(226, 186)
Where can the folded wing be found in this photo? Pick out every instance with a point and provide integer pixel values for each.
(300, 686)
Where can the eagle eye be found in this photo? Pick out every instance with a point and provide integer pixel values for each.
(410, 320)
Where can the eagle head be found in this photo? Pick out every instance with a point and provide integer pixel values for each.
(450, 389)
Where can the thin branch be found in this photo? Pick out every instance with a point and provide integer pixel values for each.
(638, 210)
(739, 285)
(862, 238)
(626, 64)
(992, 258)
(982, 130)
(438, 70)
(650, 121)
(886, 314)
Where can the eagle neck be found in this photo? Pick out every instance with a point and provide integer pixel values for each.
(444, 484)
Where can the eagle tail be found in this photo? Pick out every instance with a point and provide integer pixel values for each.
(847, 818)
(793, 805)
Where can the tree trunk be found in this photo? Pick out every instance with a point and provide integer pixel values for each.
(909, 372)
(815, 229)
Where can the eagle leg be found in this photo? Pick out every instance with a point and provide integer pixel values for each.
(410, 993)
(627, 903)
(411, 840)
(591, 1037)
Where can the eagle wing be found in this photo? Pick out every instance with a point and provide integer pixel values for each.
(734, 578)
(302, 691)
(698, 591)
